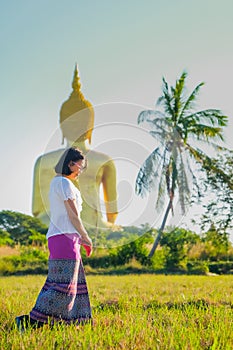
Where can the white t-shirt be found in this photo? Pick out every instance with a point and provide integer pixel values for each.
(62, 189)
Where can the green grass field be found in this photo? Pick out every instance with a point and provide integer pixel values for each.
(130, 312)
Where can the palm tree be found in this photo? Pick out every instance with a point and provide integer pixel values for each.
(170, 167)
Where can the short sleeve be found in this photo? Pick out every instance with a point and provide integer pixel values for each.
(65, 190)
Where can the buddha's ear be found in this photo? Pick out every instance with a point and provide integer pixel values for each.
(63, 139)
(89, 135)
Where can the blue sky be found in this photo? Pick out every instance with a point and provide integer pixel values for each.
(123, 49)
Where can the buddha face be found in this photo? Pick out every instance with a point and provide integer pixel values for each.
(78, 126)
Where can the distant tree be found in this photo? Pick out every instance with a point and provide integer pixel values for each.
(20, 226)
(170, 167)
(177, 244)
(219, 209)
(217, 244)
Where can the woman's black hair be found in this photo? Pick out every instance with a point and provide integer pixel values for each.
(70, 155)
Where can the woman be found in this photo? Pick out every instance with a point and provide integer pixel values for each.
(64, 296)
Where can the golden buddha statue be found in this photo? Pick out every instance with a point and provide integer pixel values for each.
(77, 123)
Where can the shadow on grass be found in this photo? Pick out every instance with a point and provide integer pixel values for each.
(199, 304)
(202, 304)
(28, 271)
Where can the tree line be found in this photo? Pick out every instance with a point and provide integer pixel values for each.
(179, 249)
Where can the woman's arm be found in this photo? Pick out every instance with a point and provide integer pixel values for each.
(74, 217)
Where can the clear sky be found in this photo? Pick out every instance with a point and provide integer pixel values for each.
(123, 49)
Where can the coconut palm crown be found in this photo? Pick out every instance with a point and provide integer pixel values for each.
(178, 129)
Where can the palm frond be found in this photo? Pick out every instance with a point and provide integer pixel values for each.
(204, 132)
(209, 166)
(159, 135)
(213, 116)
(146, 115)
(190, 101)
(161, 193)
(205, 124)
(157, 122)
(166, 99)
(183, 183)
(177, 93)
(168, 178)
(195, 180)
(162, 182)
(198, 155)
(160, 124)
(148, 172)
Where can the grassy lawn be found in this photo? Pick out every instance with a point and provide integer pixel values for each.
(130, 312)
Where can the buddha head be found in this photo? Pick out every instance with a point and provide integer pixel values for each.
(77, 115)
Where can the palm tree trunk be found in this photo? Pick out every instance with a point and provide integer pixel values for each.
(160, 231)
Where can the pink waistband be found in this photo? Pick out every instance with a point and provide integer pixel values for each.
(64, 246)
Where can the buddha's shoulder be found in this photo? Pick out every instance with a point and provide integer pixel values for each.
(98, 156)
(50, 158)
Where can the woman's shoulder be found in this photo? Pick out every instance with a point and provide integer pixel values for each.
(63, 182)
(60, 181)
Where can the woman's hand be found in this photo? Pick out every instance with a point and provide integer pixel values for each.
(85, 239)
(86, 242)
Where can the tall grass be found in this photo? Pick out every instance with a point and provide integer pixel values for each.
(130, 312)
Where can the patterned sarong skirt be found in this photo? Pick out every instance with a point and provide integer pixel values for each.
(64, 296)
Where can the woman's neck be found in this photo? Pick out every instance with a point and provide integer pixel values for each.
(71, 177)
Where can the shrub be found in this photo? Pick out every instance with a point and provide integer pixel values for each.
(5, 238)
(30, 260)
(197, 267)
(221, 267)
(37, 239)
(7, 266)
